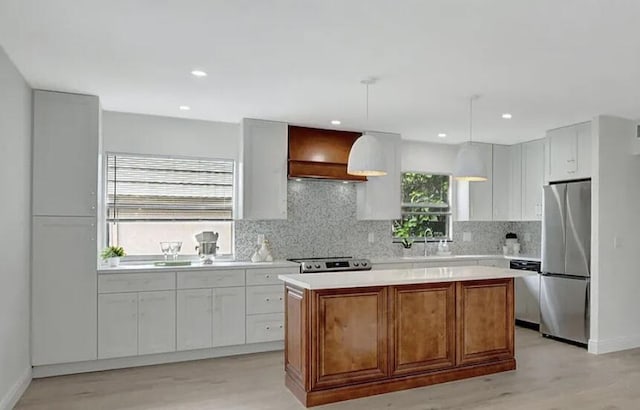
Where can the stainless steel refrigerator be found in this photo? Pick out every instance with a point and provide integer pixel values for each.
(566, 261)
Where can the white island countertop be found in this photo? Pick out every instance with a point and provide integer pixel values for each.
(358, 279)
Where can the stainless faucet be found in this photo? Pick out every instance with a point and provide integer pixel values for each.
(426, 248)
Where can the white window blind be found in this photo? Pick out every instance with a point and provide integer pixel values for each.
(141, 188)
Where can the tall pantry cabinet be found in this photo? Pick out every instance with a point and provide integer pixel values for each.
(66, 157)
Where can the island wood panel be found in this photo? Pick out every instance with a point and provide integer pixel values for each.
(296, 335)
(349, 327)
(422, 319)
(485, 319)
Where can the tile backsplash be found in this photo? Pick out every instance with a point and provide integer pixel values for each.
(322, 222)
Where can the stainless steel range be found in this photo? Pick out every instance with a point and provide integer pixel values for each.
(334, 264)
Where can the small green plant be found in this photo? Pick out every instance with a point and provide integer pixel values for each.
(112, 252)
(407, 243)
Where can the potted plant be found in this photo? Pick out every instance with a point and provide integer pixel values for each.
(406, 246)
(112, 255)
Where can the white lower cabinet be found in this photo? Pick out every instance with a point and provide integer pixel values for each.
(210, 317)
(117, 325)
(135, 323)
(156, 322)
(265, 328)
(228, 316)
(195, 318)
(265, 299)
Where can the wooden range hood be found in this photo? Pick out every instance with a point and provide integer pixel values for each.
(320, 154)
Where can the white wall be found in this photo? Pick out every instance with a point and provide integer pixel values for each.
(154, 135)
(615, 247)
(15, 232)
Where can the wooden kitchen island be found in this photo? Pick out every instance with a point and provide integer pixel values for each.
(356, 334)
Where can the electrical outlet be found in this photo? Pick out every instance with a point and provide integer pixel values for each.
(466, 236)
(371, 238)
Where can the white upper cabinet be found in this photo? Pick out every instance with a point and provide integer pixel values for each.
(501, 182)
(65, 154)
(379, 198)
(569, 152)
(263, 170)
(533, 160)
(481, 193)
(515, 182)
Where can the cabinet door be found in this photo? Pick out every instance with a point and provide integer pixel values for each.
(65, 154)
(515, 182)
(64, 290)
(194, 319)
(264, 158)
(265, 299)
(562, 153)
(485, 321)
(428, 343)
(380, 197)
(584, 146)
(228, 316)
(117, 325)
(350, 331)
(501, 182)
(157, 322)
(532, 180)
(481, 193)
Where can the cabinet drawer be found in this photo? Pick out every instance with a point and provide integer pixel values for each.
(265, 328)
(211, 279)
(265, 299)
(267, 276)
(136, 282)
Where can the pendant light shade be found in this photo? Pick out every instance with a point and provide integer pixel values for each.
(366, 157)
(469, 164)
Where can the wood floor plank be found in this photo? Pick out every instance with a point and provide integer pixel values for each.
(550, 375)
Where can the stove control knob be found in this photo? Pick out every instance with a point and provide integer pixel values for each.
(356, 264)
(317, 266)
(364, 263)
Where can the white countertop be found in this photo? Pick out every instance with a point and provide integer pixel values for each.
(134, 268)
(436, 258)
(337, 280)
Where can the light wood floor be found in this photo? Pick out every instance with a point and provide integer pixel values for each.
(550, 375)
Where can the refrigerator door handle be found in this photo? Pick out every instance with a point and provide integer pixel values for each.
(587, 310)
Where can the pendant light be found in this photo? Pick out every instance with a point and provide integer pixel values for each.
(469, 165)
(366, 157)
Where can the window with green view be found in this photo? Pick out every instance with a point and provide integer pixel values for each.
(426, 207)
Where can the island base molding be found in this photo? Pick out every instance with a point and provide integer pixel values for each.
(320, 397)
(346, 343)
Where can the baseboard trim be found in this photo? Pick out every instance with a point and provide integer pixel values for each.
(153, 359)
(16, 391)
(603, 346)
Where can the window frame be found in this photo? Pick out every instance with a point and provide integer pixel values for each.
(103, 215)
(451, 213)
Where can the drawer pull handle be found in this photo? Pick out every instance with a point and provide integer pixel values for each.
(280, 326)
(267, 276)
(280, 298)
(267, 299)
(268, 327)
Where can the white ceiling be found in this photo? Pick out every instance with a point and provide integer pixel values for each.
(548, 62)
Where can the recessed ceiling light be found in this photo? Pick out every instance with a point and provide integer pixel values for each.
(336, 122)
(199, 73)
(442, 135)
(506, 116)
(184, 108)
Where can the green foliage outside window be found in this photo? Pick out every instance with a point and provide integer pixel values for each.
(426, 211)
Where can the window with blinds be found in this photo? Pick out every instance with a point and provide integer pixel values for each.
(143, 188)
(155, 199)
